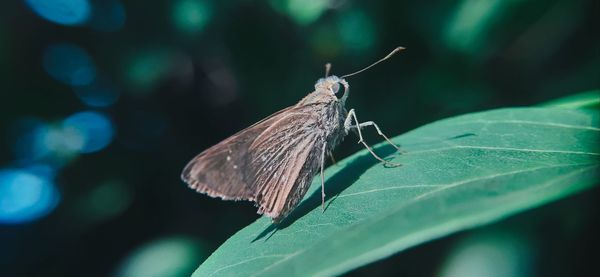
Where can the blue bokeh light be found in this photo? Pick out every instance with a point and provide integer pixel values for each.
(27, 138)
(63, 142)
(107, 16)
(42, 170)
(33, 140)
(65, 12)
(25, 196)
(69, 63)
(100, 93)
(95, 130)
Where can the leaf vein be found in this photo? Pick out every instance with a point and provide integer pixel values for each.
(431, 232)
(455, 184)
(247, 261)
(503, 149)
(560, 125)
(388, 188)
(450, 185)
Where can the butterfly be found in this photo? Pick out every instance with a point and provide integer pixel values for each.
(272, 163)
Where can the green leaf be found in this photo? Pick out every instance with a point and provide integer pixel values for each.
(457, 173)
(588, 99)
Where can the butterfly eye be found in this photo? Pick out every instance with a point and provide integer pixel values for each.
(335, 88)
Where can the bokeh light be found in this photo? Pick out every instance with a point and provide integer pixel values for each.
(69, 64)
(94, 130)
(491, 254)
(42, 170)
(303, 12)
(357, 31)
(191, 16)
(100, 93)
(146, 68)
(65, 12)
(106, 200)
(471, 23)
(34, 140)
(25, 196)
(27, 139)
(107, 15)
(63, 144)
(176, 256)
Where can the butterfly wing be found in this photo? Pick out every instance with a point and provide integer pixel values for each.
(283, 158)
(262, 163)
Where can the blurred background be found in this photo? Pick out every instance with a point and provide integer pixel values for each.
(104, 101)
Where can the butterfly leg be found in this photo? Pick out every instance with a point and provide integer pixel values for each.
(323, 176)
(371, 123)
(348, 126)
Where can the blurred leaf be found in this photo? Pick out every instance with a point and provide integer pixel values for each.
(589, 99)
(457, 173)
(491, 253)
(170, 256)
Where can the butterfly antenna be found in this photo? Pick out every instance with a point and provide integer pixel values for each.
(327, 69)
(398, 49)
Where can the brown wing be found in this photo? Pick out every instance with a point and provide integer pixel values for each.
(208, 171)
(260, 163)
(279, 156)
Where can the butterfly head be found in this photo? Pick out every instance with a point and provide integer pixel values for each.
(331, 85)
